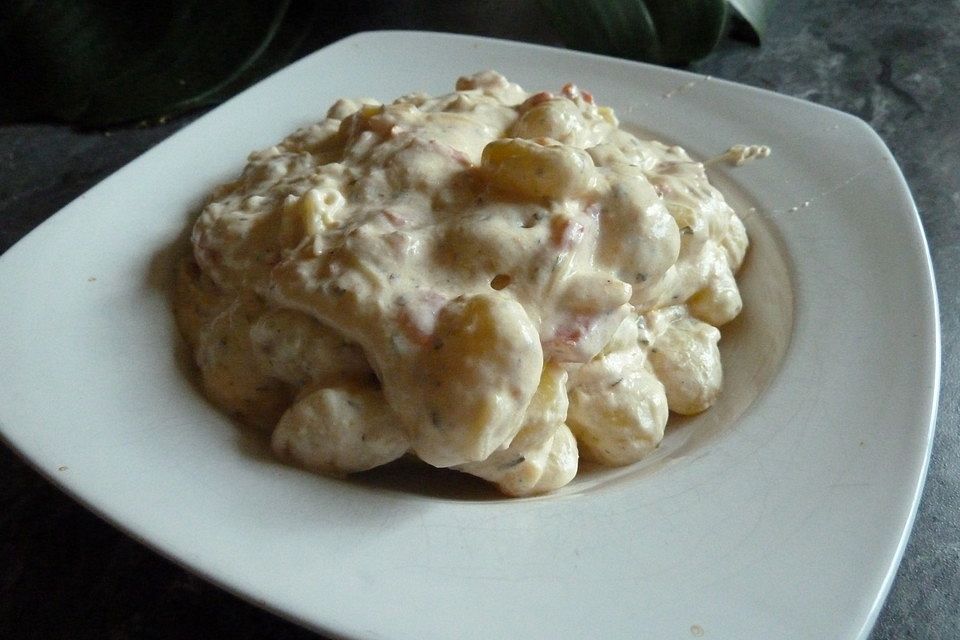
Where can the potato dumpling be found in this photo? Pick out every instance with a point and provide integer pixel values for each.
(491, 280)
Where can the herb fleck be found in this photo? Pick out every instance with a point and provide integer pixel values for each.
(514, 463)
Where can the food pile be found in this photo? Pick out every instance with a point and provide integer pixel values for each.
(490, 280)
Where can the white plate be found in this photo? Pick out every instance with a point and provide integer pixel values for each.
(782, 513)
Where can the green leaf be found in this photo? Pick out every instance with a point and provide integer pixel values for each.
(622, 28)
(105, 62)
(755, 13)
(688, 29)
(672, 32)
(293, 39)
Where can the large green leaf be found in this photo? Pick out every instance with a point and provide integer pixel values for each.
(672, 32)
(102, 62)
(293, 39)
(662, 31)
(687, 29)
(622, 28)
(756, 14)
(105, 62)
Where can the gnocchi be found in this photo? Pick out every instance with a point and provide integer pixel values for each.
(492, 281)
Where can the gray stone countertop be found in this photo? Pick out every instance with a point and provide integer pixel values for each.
(894, 63)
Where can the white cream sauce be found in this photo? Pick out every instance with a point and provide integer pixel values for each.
(482, 279)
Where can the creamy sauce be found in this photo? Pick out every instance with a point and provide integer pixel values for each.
(490, 280)
(740, 154)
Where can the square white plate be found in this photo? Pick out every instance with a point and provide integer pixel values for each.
(781, 513)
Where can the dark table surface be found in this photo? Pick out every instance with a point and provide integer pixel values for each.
(894, 63)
